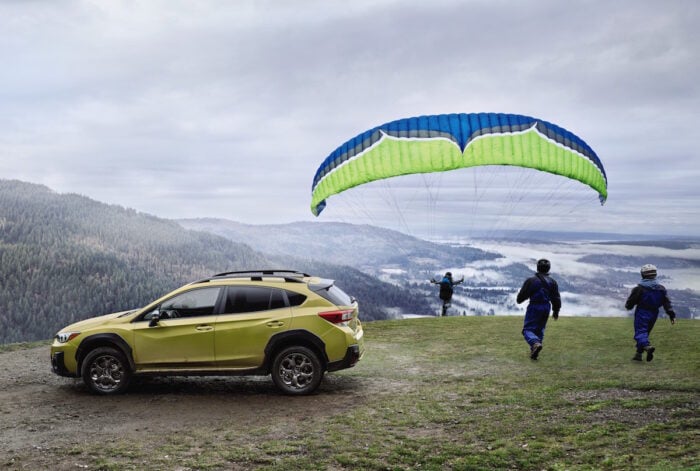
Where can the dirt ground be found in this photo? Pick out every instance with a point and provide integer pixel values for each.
(41, 412)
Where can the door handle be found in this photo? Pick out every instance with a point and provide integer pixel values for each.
(204, 328)
(275, 324)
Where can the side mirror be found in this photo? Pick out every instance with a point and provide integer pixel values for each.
(154, 319)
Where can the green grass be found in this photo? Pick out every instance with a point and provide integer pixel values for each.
(461, 393)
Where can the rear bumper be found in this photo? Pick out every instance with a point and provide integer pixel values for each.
(352, 356)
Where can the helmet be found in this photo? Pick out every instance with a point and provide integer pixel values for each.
(448, 274)
(648, 271)
(543, 265)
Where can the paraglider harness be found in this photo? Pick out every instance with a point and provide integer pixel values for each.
(545, 285)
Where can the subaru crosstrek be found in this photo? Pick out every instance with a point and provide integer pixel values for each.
(287, 324)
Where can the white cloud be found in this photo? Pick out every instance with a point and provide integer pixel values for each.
(189, 109)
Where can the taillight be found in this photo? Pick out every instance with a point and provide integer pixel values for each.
(337, 317)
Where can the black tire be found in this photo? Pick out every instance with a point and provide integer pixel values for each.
(297, 371)
(106, 371)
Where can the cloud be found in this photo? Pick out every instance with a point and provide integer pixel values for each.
(188, 109)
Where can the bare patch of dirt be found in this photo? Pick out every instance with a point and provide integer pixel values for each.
(41, 411)
(612, 394)
(618, 405)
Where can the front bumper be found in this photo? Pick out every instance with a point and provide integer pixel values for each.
(58, 365)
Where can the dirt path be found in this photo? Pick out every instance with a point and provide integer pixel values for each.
(41, 412)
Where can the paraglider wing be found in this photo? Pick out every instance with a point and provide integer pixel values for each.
(441, 143)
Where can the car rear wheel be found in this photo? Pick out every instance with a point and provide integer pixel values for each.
(106, 371)
(297, 371)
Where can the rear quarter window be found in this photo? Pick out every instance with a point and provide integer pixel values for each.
(295, 299)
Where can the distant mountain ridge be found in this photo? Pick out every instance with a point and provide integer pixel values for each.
(361, 246)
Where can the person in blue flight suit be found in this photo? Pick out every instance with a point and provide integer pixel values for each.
(648, 296)
(543, 292)
(446, 290)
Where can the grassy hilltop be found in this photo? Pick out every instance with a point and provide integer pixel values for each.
(468, 396)
(437, 393)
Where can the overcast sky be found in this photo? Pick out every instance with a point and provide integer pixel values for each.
(226, 109)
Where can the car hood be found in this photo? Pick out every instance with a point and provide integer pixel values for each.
(92, 322)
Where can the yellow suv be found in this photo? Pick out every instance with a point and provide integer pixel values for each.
(290, 325)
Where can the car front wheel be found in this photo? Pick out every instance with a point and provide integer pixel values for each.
(106, 371)
(297, 371)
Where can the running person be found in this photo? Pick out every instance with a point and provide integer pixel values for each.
(543, 292)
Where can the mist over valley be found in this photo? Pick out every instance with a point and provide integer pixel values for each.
(595, 272)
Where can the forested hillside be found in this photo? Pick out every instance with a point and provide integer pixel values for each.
(65, 257)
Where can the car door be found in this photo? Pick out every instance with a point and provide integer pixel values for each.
(183, 336)
(251, 315)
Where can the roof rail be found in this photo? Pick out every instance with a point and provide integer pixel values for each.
(263, 272)
(257, 275)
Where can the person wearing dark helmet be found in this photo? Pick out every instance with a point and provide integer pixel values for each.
(543, 292)
(648, 296)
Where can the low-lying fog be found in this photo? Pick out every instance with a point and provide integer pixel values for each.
(595, 278)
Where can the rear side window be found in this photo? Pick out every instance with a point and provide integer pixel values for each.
(252, 299)
(334, 294)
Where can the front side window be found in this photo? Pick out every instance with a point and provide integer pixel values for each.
(195, 303)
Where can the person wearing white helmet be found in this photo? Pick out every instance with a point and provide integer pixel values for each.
(543, 292)
(648, 296)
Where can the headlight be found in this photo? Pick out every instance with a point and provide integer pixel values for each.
(64, 337)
